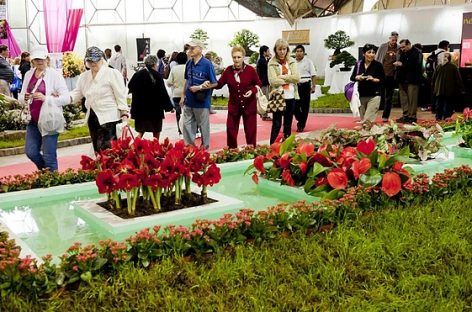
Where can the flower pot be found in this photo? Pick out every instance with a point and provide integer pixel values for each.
(345, 69)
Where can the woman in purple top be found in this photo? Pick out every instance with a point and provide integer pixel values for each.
(42, 84)
(242, 80)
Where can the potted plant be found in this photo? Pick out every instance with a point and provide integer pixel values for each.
(345, 58)
(201, 35)
(246, 39)
(337, 41)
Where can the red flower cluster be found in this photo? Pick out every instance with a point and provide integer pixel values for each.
(128, 167)
(327, 171)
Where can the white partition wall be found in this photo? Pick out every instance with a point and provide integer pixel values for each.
(169, 24)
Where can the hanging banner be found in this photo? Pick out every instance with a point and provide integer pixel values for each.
(143, 48)
(466, 46)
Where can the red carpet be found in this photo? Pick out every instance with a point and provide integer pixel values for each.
(217, 139)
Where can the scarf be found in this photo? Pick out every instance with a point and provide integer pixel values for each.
(284, 72)
(237, 72)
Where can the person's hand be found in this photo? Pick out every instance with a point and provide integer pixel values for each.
(55, 94)
(247, 94)
(397, 63)
(313, 88)
(39, 96)
(27, 97)
(282, 77)
(360, 77)
(194, 89)
(182, 102)
(124, 120)
(206, 84)
(369, 77)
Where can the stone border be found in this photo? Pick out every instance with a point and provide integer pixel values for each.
(65, 143)
(326, 110)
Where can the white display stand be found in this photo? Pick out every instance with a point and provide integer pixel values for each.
(339, 80)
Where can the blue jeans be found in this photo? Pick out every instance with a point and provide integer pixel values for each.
(35, 143)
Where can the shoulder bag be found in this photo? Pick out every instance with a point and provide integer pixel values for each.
(25, 114)
(349, 88)
(276, 101)
(262, 101)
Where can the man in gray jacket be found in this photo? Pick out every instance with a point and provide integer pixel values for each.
(387, 55)
(6, 72)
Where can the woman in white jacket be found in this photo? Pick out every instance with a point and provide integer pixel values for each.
(42, 84)
(105, 98)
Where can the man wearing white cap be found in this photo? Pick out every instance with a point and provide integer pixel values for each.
(195, 101)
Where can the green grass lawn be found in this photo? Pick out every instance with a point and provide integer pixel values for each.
(410, 259)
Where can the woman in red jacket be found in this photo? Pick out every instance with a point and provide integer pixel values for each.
(242, 80)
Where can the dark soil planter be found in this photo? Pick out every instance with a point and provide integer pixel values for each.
(345, 69)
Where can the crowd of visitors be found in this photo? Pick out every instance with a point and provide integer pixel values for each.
(192, 75)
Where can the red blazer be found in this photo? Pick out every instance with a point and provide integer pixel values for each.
(248, 80)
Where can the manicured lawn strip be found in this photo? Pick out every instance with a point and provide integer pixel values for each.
(410, 259)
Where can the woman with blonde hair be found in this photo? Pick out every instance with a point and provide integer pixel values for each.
(242, 80)
(283, 76)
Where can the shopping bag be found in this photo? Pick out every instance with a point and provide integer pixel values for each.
(276, 101)
(124, 131)
(51, 118)
(262, 102)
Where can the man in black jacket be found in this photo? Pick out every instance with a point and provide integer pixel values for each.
(409, 68)
(6, 73)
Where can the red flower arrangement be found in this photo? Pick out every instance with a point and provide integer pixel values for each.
(329, 170)
(152, 168)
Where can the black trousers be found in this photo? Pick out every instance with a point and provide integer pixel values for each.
(302, 106)
(101, 135)
(387, 95)
(277, 121)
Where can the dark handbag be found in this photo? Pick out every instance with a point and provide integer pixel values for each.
(349, 88)
(200, 96)
(276, 101)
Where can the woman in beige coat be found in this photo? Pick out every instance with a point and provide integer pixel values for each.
(283, 75)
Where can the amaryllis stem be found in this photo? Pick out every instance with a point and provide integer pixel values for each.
(153, 197)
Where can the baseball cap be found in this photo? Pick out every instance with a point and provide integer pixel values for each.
(196, 43)
(394, 33)
(39, 52)
(93, 54)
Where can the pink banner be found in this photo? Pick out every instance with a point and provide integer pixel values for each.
(73, 23)
(55, 19)
(6, 38)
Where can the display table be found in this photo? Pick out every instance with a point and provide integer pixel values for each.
(328, 73)
(339, 80)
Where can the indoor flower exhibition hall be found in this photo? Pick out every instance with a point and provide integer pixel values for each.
(235, 155)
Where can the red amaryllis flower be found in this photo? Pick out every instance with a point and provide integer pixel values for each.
(128, 181)
(349, 152)
(391, 183)
(141, 146)
(287, 177)
(87, 163)
(366, 146)
(120, 144)
(212, 175)
(306, 148)
(467, 113)
(127, 166)
(337, 178)
(106, 182)
(153, 180)
(360, 167)
(150, 162)
(259, 163)
(284, 161)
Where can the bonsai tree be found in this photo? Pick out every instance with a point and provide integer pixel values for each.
(337, 41)
(343, 57)
(201, 35)
(246, 39)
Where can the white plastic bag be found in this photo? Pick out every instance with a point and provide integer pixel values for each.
(355, 103)
(123, 131)
(51, 118)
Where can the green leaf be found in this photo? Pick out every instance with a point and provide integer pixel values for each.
(86, 277)
(145, 263)
(317, 169)
(373, 178)
(249, 169)
(334, 194)
(309, 184)
(382, 161)
(287, 144)
(320, 191)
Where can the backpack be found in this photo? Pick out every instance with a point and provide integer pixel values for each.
(431, 63)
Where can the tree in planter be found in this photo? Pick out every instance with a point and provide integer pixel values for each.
(201, 35)
(246, 39)
(337, 41)
(343, 57)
